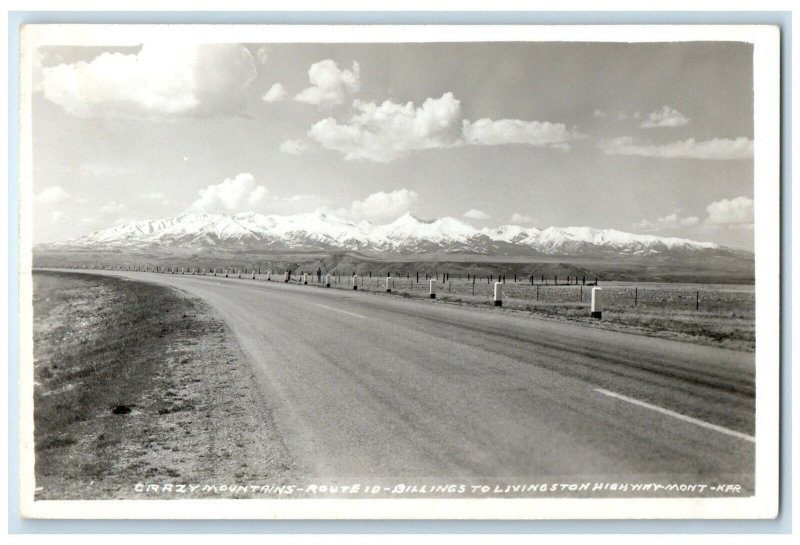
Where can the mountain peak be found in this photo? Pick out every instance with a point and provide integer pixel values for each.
(319, 230)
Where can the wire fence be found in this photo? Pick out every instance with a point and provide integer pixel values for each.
(526, 292)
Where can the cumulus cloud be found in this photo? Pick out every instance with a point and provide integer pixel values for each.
(276, 93)
(665, 117)
(243, 194)
(293, 147)
(329, 84)
(599, 113)
(731, 212)
(520, 218)
(515, 131)
(476, 214)
(238, 194)
(384, 205)
(388, 131)
(52, 194)
(670, 221)
(717, 149)
(162, 79)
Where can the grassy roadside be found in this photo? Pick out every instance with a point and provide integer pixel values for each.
(726, 321)
(137, 383)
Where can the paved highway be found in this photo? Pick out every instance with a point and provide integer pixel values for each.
(376, 386)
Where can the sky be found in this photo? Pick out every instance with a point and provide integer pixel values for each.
(645, 138)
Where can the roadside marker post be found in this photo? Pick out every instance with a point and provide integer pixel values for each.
(305, 279)
(433, 289)
(327, 281)
(355, 281)
(388, 284)
(597, 303)
(286, 276)
(254, 275)
(498, 294)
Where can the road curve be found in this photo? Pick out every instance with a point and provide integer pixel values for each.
(373, 386)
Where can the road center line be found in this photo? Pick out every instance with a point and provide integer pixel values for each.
(679, 416)
(342, 311)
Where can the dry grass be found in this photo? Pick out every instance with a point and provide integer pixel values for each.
(725, 318)
(129, 389)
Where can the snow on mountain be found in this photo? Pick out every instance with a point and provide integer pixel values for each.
(408, 229)
(323, 231)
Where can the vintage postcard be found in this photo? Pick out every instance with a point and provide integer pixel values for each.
(399, 272)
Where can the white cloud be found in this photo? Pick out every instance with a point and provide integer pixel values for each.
(162, 79)
(670, 221)
(384, 205)
(599, 113)
(276, 93)
(520, 218)
(514, 131)
(112, 207)
(302, 197)
(232, 195)
(388, 131)
(731, 212)
(717, 149)
(329, 84)
(242, 194)
(665, 117)
(58, 217)
(51, 195)
(475, 214)
(157, 196)
(294, 147)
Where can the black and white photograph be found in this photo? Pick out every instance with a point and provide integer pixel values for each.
(395, 272)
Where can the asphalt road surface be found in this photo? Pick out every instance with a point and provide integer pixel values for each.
(377, 386)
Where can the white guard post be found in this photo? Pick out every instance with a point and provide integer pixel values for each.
(597, 303)
(498, 294)
(389, 284)
(433, 289)
(327, 281)
(305, 279)
(355, 281)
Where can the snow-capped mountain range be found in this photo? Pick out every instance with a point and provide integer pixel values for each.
(408, 235)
